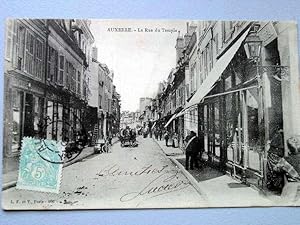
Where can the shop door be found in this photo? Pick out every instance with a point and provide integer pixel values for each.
(234, 131)
(213, 131)
(242, 131)
(29, 116)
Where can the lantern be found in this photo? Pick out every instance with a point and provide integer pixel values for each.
(253, 44)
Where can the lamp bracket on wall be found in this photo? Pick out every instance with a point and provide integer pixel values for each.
(279, 73)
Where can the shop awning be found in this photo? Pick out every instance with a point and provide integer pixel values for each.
(215, 73)
(171, 119)
(182, 112)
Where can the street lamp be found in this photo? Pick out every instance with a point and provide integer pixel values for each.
(253, 44)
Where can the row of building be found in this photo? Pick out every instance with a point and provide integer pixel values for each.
(139, 118)
(236, 84)
(54, 86)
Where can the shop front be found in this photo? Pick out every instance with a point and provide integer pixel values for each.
(24, 102)
(240, 110)
(64, 116)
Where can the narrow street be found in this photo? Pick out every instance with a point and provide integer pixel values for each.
(141, 177)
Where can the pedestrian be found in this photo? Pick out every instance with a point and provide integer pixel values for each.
(166, 136)
(155, 133)
(191, 151)
(175, 140)
(160, 133)
(109, 139)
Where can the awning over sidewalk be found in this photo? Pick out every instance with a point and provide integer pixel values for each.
(182, 112)
(170, 120)
(215, 73)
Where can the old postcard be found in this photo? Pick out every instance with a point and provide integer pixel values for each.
(118, 114)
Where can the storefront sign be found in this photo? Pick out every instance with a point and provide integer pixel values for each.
(27, 85)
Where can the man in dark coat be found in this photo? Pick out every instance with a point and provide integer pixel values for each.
(191, 150)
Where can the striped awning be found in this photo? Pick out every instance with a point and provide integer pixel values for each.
(215, 74)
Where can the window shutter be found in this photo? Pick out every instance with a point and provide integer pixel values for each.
(61, 69)
(9, 39)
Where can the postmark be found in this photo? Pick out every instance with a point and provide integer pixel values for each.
(73, 138)
(39, 173)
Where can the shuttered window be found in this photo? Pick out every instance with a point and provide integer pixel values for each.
(9, 39)
(29, 53)
(61, 70)
(39, 69)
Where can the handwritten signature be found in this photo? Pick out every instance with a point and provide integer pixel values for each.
(162, 184)
(115, 170)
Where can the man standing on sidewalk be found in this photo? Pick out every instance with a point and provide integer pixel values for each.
(191, 151)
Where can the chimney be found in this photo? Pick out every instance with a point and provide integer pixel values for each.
(187, 27)
(179, 47)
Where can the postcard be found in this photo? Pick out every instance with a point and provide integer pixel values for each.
(126, 114)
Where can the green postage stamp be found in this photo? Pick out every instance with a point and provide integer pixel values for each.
(38, 167)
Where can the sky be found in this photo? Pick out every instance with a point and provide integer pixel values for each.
(141, 58)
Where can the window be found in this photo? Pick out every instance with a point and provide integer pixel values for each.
(193, 78)
(52, 64)
(174, 100)
(78, 82)
(72, 72)
(227, 30)
(178, 97)
(9, 39)
(60, 122)
(210, 56)
(187, 90)
(70, 76)
(67, 84)
(61, 69)
(100, 101)
(201, 67)
(38, 104)
(29, 51)
(17, 100)
(205, 59)
(20, 47)
(39, 59)
(216, 39)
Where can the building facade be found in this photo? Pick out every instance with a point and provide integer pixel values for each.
(24, 77)
(44, 67)
(240, 94)
(105, 98)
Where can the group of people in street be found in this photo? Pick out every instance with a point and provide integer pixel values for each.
(127, 134)
(171, 138)
(158, 133)
(192, 145)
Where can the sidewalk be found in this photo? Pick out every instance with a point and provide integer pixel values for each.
(220, 190)
(9, 179)
(169, 151)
